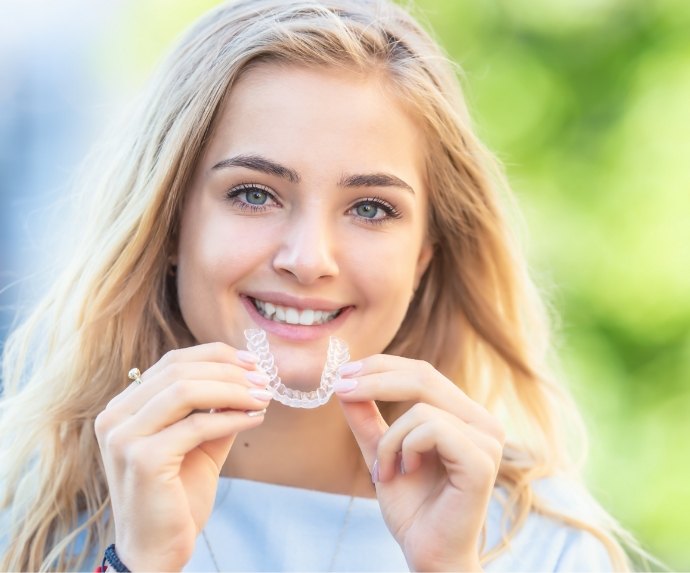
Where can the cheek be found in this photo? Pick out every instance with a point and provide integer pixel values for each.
(212, 257)
(202, 259)
(386, 276)
(395, 263)
(213, 247)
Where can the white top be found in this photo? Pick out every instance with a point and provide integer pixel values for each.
(264, 527)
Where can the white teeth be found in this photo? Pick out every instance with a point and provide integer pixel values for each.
(290, 315)
(306, 317)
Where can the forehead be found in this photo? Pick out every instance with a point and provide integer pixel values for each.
(304, 115)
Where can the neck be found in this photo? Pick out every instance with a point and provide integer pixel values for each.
(305, 448)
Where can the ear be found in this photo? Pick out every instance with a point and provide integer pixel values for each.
(173, 250)
(423, 261)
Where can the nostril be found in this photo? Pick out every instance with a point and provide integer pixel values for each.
(306, 263)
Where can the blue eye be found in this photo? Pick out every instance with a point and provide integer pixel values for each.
(256, 196)
(252, 196)
(375, 210)
(367, 210)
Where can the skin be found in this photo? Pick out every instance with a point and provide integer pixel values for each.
(306, 242)
(307, 236)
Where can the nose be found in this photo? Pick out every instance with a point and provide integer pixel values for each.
(308, 248)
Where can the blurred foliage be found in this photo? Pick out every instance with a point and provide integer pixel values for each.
(587, 104)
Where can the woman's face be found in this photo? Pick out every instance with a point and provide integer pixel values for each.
(306, 217)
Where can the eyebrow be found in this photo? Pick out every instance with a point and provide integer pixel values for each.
(374, 180)
(259, 163)
(269, 167)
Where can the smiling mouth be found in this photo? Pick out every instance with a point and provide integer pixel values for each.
(291, 315)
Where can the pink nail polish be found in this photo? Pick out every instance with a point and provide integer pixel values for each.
(258, 378)
(350, 368)
(247, 357)
(255, 413)
(346, 385)
(259, 394)
(375, 472)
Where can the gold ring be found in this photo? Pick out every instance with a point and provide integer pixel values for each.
(135, 375)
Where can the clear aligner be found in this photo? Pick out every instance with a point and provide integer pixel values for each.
(337, 355)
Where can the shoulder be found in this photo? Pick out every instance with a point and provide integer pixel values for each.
(545, 543)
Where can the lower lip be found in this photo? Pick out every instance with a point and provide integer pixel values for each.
(298, 332)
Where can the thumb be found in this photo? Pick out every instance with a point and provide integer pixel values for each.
(219, 449)
(367, 426)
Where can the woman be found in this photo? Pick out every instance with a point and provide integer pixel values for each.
(307, 168)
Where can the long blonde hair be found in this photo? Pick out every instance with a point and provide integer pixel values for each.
(476, 315)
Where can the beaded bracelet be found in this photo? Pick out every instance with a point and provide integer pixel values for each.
(111, 562)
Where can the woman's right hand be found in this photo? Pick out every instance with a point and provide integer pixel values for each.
(163, 450)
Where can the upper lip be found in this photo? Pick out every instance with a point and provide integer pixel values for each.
(300, 303)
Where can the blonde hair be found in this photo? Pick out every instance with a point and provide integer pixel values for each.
(476, 315)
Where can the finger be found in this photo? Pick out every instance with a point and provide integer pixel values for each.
(396, 379)
(391, 454)
(210, 352)
(367, 425)
(390, 378)
(216, 352)
(468, 467)
(215, 431)
(183, 398)
(218, 449)
(132, 400)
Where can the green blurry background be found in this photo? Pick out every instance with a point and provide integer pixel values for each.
(587, 103)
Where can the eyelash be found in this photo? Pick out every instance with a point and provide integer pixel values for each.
(234, 194)
(385, 206)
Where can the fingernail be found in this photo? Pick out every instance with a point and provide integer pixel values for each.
(260, 394)
(255, 413)
(350, 368)
(246, 356)
(402, 467)
(258, 378)
(375, 472)
(343, 386)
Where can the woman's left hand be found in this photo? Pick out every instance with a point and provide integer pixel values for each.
(434, 468)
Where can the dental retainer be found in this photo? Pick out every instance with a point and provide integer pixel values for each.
(338, 354)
